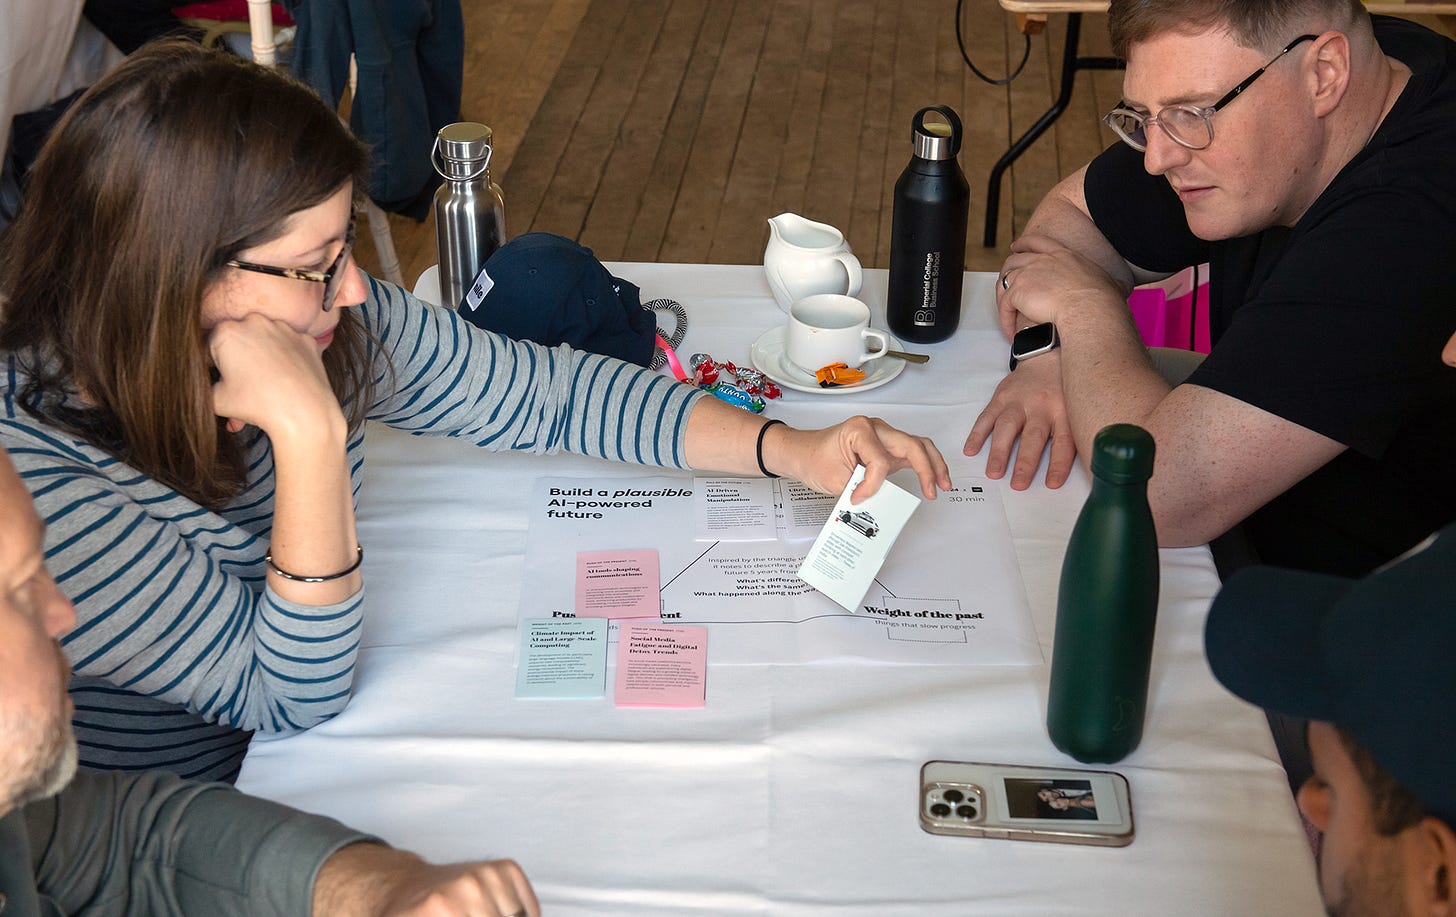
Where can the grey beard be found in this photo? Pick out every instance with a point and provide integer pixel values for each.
(54, 774)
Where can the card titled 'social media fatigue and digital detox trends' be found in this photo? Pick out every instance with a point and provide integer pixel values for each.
(661, 665)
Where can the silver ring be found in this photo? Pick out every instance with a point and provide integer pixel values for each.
(1006, 281)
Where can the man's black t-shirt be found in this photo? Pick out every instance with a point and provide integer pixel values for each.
(1336, 324)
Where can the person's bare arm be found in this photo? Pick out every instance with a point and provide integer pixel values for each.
(1028, 411)
(1218, 458)
(724, 438)
(1063, 218)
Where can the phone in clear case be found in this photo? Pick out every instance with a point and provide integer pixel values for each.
(1015, 802)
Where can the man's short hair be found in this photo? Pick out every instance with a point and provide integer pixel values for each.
(1394, 807)
(1264, 25)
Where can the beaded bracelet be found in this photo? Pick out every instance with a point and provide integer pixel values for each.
(758, 449)
(358, 559)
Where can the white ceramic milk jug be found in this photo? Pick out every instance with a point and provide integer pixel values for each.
(804, 258)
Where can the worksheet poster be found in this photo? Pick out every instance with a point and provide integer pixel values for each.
(949, 593)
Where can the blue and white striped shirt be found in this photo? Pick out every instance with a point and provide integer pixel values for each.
(180, 649)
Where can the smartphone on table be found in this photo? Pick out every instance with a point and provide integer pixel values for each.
(1015, 802)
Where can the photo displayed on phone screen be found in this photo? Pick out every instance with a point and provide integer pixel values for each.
(1062, 799)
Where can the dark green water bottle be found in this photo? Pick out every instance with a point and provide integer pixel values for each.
(1107, 606)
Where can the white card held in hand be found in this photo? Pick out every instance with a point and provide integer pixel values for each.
(855, 541)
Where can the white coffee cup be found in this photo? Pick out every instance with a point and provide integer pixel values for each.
(831, 328)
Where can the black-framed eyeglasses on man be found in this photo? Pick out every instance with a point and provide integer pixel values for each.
(332, 278)
(1186, 125)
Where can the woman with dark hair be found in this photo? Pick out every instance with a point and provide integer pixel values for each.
(1052, 802)
(184, 377)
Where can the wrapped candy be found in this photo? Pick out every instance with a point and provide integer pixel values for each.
(756, 383)
(705, 372)
(838, 374)
(727, 391)
(738, 385)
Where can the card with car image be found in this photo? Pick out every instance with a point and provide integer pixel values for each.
(855, 541)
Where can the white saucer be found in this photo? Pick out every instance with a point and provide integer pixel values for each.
(770, 359)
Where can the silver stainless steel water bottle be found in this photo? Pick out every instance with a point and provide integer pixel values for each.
(470, 215)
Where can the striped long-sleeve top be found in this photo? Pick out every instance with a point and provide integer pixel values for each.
(181, 650)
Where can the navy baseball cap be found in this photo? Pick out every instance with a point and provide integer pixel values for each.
(1375, 655)
(548, 289)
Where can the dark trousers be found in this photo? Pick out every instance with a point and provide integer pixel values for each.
(132, 23)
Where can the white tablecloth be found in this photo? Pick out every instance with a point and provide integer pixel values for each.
(794, 791)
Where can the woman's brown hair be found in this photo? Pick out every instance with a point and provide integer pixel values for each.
(168, 167)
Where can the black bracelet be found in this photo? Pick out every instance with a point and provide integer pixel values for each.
(358, 559)
(758, 449)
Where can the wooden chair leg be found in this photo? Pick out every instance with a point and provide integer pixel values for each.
(1031, 23)
(260, 24)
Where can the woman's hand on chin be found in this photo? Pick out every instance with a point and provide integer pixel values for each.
(271, 376)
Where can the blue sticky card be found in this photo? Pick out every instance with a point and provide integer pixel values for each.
(562, 658)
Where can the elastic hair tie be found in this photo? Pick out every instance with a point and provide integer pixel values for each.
(758, 449)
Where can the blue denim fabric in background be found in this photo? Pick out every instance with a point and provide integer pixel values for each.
(411, 57)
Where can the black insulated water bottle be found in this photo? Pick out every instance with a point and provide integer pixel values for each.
(928, 233)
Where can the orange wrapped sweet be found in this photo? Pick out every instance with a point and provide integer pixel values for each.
(838, 374)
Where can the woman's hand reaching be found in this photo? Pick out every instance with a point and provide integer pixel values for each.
(825, 459)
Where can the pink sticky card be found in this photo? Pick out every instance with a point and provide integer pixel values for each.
(661, 665)
(618, 584)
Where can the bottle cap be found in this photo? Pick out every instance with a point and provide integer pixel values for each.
(1123, 454)
(464, 140)
(935, 139)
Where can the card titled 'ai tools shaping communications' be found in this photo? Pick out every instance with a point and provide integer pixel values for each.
(618, 584)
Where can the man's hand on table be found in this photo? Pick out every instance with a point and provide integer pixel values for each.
(1039, 282)
(824, 459)
(1028, 404)
(371, 879)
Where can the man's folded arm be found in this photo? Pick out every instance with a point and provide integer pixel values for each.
(155, 844)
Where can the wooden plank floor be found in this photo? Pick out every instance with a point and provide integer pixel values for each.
(671, 130)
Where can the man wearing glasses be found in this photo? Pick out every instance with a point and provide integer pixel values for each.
(1307, 153)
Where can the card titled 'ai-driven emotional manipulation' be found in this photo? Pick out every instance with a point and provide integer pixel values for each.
(618, 584)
